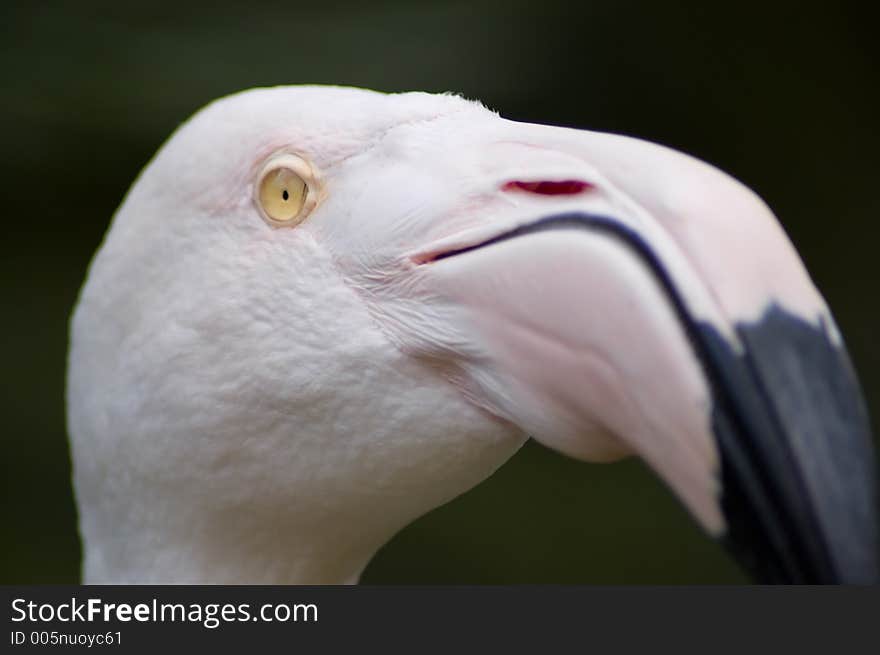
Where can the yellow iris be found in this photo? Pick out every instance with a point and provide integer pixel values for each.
(282, 194)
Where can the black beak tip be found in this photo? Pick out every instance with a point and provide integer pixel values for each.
(798, 463)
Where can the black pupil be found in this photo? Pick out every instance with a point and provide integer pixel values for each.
(285, 195)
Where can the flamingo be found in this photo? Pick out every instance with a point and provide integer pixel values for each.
(321, 312)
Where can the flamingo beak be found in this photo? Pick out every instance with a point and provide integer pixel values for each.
(758, 425)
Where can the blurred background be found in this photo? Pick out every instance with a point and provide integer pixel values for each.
(784, 97)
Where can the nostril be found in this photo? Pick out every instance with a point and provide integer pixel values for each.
(549, 188)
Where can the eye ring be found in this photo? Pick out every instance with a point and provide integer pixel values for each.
(286, 190)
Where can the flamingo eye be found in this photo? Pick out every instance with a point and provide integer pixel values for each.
(283, 193)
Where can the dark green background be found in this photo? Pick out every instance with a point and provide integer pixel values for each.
(785, 97)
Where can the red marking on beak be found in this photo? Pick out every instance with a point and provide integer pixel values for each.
(546, 188)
